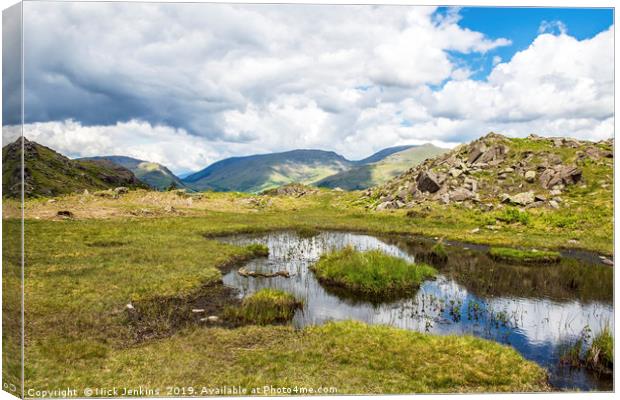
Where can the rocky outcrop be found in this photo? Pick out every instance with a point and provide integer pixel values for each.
(494, 170)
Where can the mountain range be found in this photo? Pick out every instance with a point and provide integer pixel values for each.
(50, 173)
(153, 174)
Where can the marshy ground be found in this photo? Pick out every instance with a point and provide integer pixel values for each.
(154, 250)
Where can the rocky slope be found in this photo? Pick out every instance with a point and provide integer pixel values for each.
(48, 173)
(530, 172)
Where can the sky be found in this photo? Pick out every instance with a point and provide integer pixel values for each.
(190, 84)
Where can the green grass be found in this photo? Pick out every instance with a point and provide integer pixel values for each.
(370, 273)
(525, 256)
(258, 249)
(142, 259)
(266, 306)
(600, 354)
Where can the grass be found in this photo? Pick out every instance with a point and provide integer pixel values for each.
(370, 273)
(258, 249)
(266, 306)
(162, 254)
(351, 357)
(600, 354)
(524, 256)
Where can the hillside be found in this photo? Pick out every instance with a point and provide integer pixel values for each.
(532, 172)
(153, 174)
(380, 167)
(261, 172)
(48, 173)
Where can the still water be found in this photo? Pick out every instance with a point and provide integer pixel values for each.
(538, 310)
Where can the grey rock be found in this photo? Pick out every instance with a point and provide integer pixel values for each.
(121, 190)
(428, 182)
(522, 199)
(554, 204)
(530, 176)
(461, 194)
(476, 152)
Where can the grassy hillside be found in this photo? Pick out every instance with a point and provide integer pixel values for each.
(381, 167)
(261, 172)
(48, 173)
(153, 174)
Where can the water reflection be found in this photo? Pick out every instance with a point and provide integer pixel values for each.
(535, 309)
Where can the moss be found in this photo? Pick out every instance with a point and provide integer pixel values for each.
(524, 256)
(370, 273)
(267, 306)
(258, 249)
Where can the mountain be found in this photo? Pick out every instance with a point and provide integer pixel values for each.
(153, 174)
(265, 171)
(381, 154)
(380, 167)
(48, 173)
(524, 172)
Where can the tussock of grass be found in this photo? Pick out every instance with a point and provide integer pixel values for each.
(306, 232)
(371, 273)
(258, 249)
(600, 354)
(525, 256)
(267, 306)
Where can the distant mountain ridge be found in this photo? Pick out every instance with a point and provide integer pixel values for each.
(153, 174)
(260, 172)
(380, 167)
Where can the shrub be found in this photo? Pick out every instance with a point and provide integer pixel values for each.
(513, 215)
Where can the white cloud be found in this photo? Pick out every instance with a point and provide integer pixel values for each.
(195, 83)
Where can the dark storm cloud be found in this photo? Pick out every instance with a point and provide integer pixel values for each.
(11, 65)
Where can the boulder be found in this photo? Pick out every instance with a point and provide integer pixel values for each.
(428, 182)
(455, 172)
(554, 204)
(530, 176)
(121, 190)
(522, 199)
(476, 152)
(461, 194)
(65, 214)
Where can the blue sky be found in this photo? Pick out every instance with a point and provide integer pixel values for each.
(188, 84)
(522, 25)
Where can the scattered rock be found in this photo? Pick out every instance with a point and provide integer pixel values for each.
(530, 176)
(428, 182)
(461, 194)
(520, 199)
(198, 310)
(130, 307)
(607, 261)
(476, 152)
(65, 214)
(554, 204)
(211, 319)
(51, 201)
(475, 230)
(121, 190)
